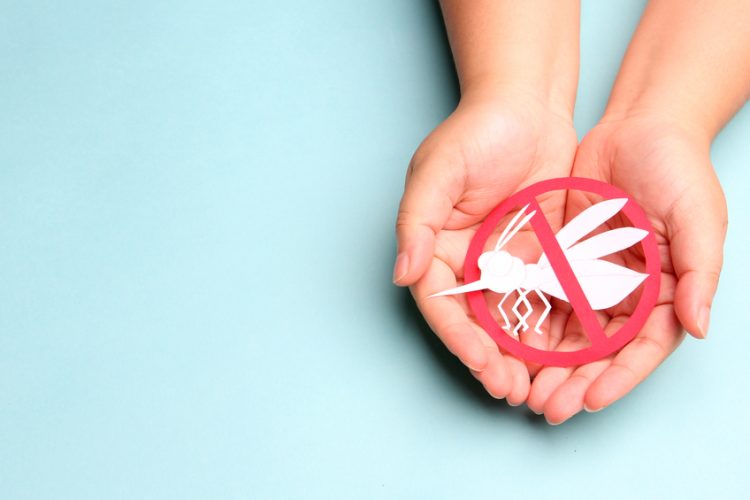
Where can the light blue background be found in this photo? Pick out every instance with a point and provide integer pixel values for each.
(196, 211)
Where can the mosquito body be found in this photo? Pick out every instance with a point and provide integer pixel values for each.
(604, 283)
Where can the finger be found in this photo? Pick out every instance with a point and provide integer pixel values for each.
(447, 318)
(425, 207)
(521, 383)
(568, 399)
(697, 227)
(659, 338)
(495, 377)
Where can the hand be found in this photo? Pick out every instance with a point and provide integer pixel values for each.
(494, 144)
(666, 168)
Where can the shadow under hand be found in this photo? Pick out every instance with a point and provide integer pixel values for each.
(455, 374)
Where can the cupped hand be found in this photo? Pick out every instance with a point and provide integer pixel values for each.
(494, 144)
(666, 168)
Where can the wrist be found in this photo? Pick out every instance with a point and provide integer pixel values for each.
(492, 89)
(526, 48)
(669, 115)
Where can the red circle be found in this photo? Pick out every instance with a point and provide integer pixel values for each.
(596, 351)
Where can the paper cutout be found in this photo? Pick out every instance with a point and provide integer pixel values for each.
(568, 267)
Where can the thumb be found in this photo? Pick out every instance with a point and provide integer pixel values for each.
(424, 210)
(697, 228)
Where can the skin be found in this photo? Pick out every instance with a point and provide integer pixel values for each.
(686, 72)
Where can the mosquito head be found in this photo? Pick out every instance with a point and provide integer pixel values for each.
(495, 263)
(501, 272)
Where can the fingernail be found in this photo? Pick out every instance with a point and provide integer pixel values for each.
(401, 268)
(703, 320)
(592, 410)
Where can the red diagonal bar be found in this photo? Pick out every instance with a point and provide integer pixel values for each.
(566, 276)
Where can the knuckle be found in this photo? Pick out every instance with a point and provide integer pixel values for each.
(651, 344)
(418, 162)
(455, 331)
(712, 276)
(581, 376)
(404, 219)
(412, 165)
(628, 371)
(724, 220)
(408, 221)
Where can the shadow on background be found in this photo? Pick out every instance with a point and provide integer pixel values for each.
(455, 373)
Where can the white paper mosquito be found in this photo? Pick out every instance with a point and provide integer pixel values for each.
(604, 284)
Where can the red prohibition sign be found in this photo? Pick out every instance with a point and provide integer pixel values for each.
(601, 345)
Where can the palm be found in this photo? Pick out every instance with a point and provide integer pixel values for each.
(651, 162)
(488, 152)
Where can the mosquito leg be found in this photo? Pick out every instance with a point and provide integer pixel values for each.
(545, 313)
(506, 326)
(529, 310)
(517, 313)
(522, 317)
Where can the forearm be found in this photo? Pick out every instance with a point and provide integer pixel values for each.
(689, 61)
(529, 46)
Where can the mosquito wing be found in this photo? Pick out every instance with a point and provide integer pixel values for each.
(606, 243)
(585, 222)
(604, 284)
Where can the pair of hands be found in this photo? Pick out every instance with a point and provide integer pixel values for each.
(496, 143)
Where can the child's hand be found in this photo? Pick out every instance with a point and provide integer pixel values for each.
(667, 170)
(494, 144)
